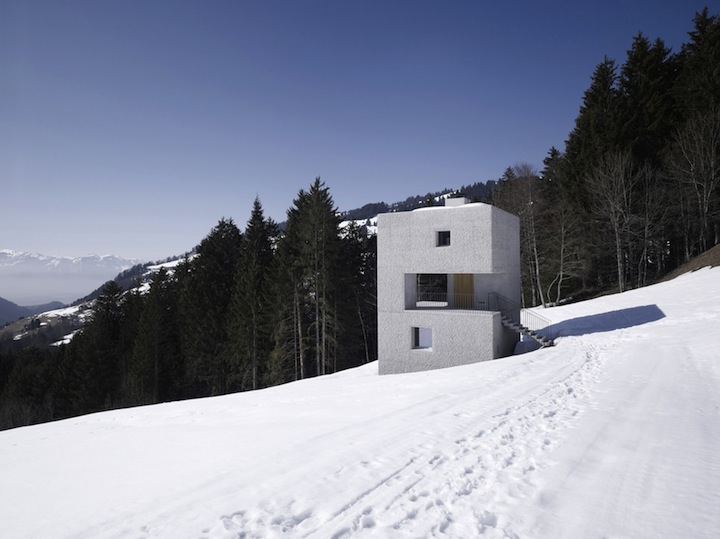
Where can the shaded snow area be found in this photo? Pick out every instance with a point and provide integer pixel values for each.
(614, 432)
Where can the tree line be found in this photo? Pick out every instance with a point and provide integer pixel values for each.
(635, 193)
(248, 310)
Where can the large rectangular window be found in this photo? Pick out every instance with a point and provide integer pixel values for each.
(421, 338)
(432, 287)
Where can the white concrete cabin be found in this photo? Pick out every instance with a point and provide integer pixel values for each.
(443, 273)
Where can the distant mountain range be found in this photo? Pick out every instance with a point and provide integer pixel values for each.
(31, 279)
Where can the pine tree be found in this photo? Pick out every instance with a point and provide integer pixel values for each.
(596, 132)
(27, 396)
(647, 106)
(153, 373)
(250, 314)
(358, 298)
(103, 345)
(698, 87)
(309, 255)
(90, 366)
(207, 290)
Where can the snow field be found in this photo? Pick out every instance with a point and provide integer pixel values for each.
(612, 433)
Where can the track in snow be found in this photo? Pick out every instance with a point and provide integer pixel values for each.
(490, 461)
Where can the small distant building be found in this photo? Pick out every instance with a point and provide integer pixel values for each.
(444, 276)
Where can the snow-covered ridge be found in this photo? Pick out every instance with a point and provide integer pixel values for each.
(20, 258)
(31, 278)
(611, 433)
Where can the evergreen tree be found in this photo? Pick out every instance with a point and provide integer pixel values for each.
(154, 374)
(103, 346)
(251, 309)
(309, 254)
(207, 290)
(89, 371)
(596, 132)
(647, 107)
(27, 397)
(698, 87)
(358, 298)
(69, 387)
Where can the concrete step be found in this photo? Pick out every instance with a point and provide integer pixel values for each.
(541, 339)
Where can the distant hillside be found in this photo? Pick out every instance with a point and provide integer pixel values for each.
(132, 277)
(9, 311)
(477, 192)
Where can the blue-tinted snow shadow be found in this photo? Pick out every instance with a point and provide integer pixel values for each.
(594, 323)
(610, 321)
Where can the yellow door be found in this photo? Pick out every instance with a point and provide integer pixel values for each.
(464, 290)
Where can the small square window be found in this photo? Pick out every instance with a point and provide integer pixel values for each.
(422, 338)
(443, 238)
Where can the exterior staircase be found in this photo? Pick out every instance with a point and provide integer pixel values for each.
(523, 321)
(515, 326)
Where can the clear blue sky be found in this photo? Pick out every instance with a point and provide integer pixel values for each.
(132, 127)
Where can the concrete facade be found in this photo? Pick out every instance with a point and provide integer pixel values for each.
(471, 252)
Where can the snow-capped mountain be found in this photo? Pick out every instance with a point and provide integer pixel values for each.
(31, 278)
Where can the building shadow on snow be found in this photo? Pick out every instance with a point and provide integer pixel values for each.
(595, 323)
(610, 321)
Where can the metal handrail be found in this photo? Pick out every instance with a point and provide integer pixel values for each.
(443, 300)
(512, 310)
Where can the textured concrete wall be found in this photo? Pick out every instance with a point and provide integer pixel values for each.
(506, 253)
(484, 241)
(458, 338)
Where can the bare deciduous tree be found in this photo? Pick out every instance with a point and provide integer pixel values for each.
(518, 193)
(563, 239)
(695, 163)
(612, 185)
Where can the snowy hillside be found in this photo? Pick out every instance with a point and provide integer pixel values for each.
(612, 433)
(31, 279)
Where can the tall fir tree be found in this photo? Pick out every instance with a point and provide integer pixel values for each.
(310, 253)
(154, 373)
(647, 109)
(251, 309)
(698, 86)
(207, 290)
(596, 132)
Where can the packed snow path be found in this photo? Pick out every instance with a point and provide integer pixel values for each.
(614, 432)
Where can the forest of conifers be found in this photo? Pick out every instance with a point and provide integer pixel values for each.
(633, 196)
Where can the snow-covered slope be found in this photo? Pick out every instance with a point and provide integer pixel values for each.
(369, 226)
(611, 433)
(31, 279)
